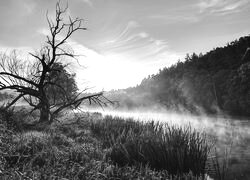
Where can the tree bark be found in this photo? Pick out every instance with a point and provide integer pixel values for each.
(44, 112)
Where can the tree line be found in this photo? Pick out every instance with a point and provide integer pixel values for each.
(215, 82)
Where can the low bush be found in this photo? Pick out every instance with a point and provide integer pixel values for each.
(178, 150)
(110, 129)
(17, 119)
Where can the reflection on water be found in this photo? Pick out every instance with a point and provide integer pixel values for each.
(228, 134)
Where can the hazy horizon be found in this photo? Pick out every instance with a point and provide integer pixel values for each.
(126, 41)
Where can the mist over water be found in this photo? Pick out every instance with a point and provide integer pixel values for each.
(223, 127)
(221, 124)
(226, 133)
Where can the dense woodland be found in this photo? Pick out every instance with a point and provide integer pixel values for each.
(216, 82)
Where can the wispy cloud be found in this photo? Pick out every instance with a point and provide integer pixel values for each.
(29, 6)
(194, 13)
(181, 14)
(206, 4)
(221, 7)
(174, 18)
(121, 36)
(21, 50)
(135, 44)
(88, 2)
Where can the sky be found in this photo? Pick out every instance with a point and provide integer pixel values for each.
(126, 40)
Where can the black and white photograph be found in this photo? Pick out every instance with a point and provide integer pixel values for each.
(124, 89)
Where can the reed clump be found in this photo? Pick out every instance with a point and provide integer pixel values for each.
(178, 150)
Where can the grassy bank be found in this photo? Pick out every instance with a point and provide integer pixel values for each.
(92, 147)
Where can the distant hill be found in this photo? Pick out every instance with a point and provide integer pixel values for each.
(218, 81)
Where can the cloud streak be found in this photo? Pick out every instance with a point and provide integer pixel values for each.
(88, 2)
(221, 7)
(173, 18)
(136, 44)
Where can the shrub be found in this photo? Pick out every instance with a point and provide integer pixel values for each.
(110, 129)
(175, 149)
(17, 119)
(7, 117)
(5, 142)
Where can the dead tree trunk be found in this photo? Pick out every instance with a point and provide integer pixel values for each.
(44, 112)
(32, 81)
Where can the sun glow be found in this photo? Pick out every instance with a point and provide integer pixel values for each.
(105, 72)
(115, 71)
(110, 72)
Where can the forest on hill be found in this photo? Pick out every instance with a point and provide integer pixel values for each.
(215, 82)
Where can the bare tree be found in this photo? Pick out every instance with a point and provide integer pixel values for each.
(30, 80)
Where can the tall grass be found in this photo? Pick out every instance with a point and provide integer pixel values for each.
(71, 151)
(218, 164)
(112, 130)
(178, 150)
